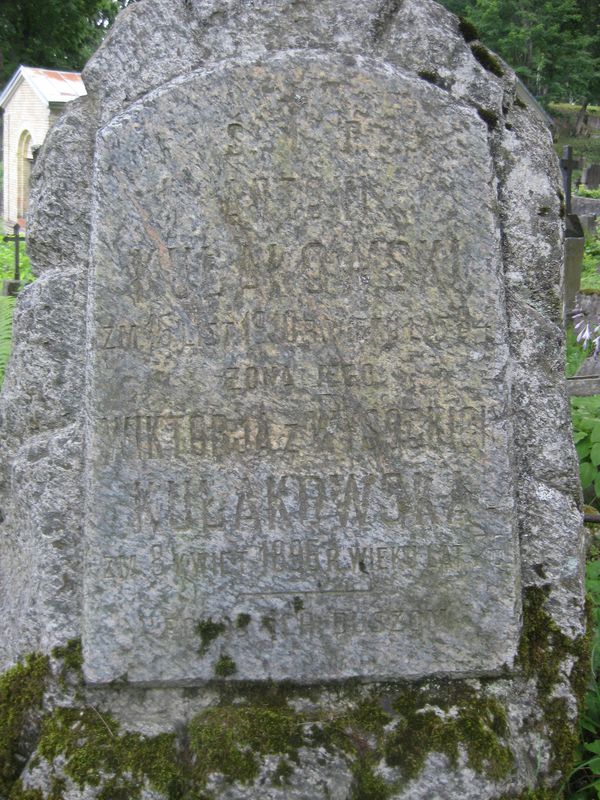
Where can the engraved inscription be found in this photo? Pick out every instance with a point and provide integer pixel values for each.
(298, 397)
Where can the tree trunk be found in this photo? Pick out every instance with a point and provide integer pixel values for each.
(581, 117)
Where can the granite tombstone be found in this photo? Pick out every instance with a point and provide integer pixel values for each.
(591, 176)
(289, 428)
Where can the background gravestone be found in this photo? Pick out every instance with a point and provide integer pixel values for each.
(283, 420)
(591, 176)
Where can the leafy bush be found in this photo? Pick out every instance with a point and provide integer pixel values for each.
(585, 779)
(583, 191)
(7, 266)
(586, 435)
(6, 313)
(590, 279)
(7, 262)
(576, 355)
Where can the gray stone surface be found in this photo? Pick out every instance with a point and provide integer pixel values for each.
(586, 205)
(266, 411)
(300, 295)
(574, 250)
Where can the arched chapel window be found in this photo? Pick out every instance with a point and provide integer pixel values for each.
(24, 164)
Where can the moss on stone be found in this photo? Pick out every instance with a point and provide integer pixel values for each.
(229, 740)
(21, 696)
(468, 30)
(19, 793)
(446, 720)
(430, 77)
(542, 652)
(96, 754)
(487, 60)
(242, 621)
(208, 631)
(225, 667)
(399, 723)
(368, 786)
(268, 623)
(531, 794)
(490, 119)
(283, 773)
(71, 656)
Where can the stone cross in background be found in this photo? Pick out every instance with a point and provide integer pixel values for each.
(11, 287)
(568, 165)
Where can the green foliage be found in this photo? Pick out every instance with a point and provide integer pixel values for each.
(590, 277)
(585, 412)
(584, 782)
(554, 45)
(63, 36)
(576, 355)
(7, 305)
(7, 262)
(21, 694)
(583, 191)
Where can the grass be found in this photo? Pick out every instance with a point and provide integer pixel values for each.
(7, 262)
(7, 304)
(576, 355)
(590, 278)
(566, 109)
(584, 781)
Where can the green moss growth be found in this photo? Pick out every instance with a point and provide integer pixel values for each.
(21, 696)
(268, 622)
(519, 103)
(468, 30)
(242, 621)
(96, 753)
(298, 604)
(368, 786)
(430, 77)
(542, 651)
(229, 740)
(225, 667)
(283, 773)
(490, 119)
(208, 631)
(19, 793)
(487, 60)
(531, 794)
(71, 656)
(464, 720)
(543, 647)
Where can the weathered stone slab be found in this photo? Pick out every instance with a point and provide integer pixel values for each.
(295, 395)
(297, 342)
(591, 176)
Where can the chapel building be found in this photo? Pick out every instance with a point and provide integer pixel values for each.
(31, 101)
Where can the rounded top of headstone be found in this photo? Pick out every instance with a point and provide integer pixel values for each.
(154, 41)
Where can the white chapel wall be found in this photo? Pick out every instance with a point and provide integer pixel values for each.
(25, 111)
